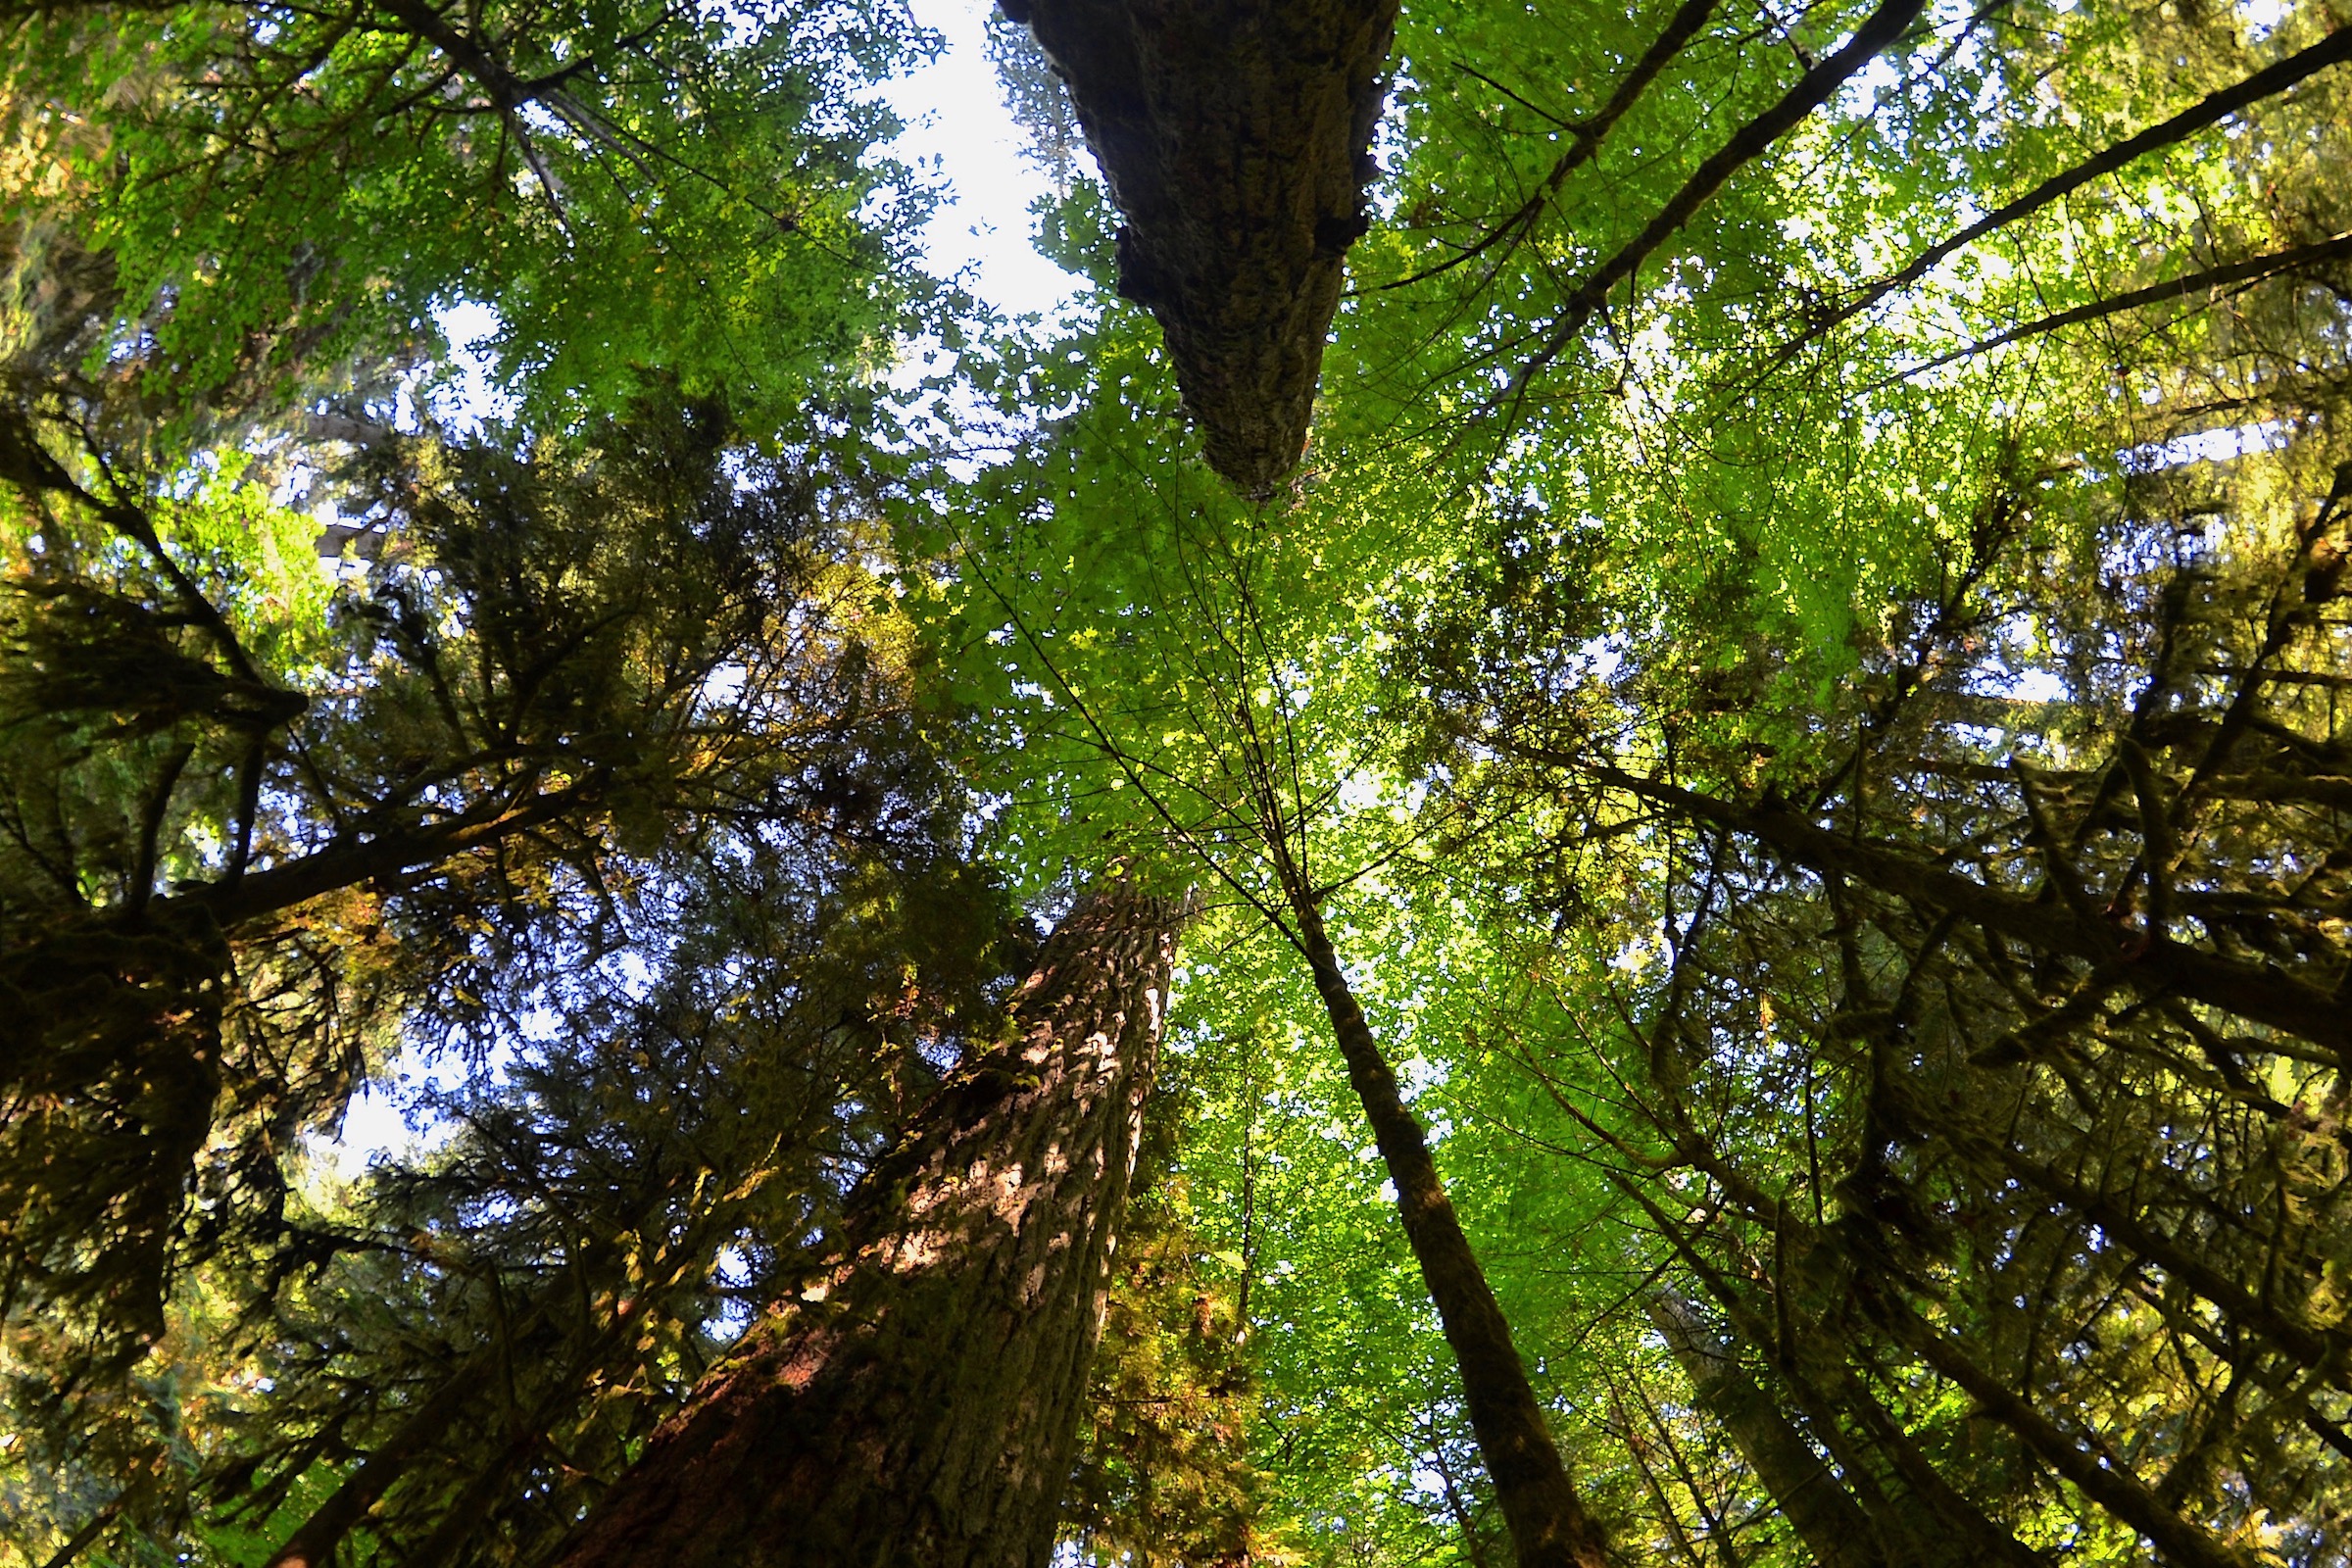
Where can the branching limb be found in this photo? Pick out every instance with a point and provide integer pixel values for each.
(2253, 270)
(1878, 32)
(1586, 138)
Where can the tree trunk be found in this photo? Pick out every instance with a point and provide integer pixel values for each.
(1548, 1526)
(1236, 136)
(1832, 1526)
(920, 1403)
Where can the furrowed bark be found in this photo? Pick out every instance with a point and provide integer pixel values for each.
(920, 1402)
(1236, 136)
(1548, 1526)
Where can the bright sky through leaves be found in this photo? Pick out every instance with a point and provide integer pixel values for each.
(955, 115)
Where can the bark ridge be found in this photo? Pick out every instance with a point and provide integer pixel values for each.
(920, 1402)
(1236, 137)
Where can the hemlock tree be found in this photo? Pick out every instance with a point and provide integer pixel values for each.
(569, 682)
(533, 670)
(501, 1330)
(918, 1400)
(262, 823)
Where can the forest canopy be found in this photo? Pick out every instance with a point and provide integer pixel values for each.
(1711, 924)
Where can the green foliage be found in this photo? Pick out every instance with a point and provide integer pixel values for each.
(1704, 539)
(244, 842)
(1584, 603)
(264, 190)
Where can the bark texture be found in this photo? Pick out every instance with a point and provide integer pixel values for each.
(920, 1403)
(1548, 1525)
(1236, 136)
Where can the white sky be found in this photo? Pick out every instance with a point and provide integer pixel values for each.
(956, 115)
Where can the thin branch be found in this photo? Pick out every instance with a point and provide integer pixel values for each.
(2252, 269)
(1586, 136)
(2265, 83)
(1878, 32)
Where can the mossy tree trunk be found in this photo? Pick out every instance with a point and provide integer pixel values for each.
(1547, 1521)
(1236, 135)
(920, 1403)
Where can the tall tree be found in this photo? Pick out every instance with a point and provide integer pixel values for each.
(484, 1333)
(233, 812)
(1787, 728)
(921, 1398)
(1202, 739)
(1575, 409)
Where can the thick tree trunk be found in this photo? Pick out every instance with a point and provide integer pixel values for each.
(920, 1405)
(1236, 135)
(1548, 1526)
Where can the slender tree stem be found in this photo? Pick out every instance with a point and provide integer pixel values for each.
(1548, 1525)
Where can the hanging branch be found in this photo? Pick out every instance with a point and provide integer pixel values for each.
(2258, 992)
(2100, 1475)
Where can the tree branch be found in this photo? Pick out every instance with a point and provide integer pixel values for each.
(1878, 32)
(2252, 269)
(2265, 83)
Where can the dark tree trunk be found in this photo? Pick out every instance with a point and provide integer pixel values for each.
(920, 1405)
(1832, 1526)
(1548, 1525)
(1236, 136)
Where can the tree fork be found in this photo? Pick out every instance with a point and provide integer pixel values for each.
(920, 1401)
(1550, 1528)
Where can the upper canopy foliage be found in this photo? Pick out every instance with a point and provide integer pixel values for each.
(219, 203)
